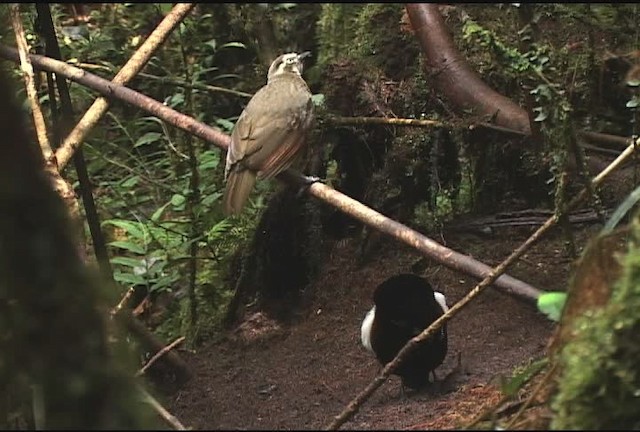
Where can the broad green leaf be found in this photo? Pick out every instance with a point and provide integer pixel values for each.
(211, 198)
(132, 247)
(284, 6)
(219, 228)
(318, 99)
(126, 261)
(633, 103)
(129, 278)
(511, 385)
(148, 138)
(629, 202)
(132, 228)
(225, 124)
(130, 182)
(541, 117)
(178, 200)
(163, 283)
(212, 43)
(165, 8)
(158, 213)
(174, 100)
(209, 159)
(552, 303)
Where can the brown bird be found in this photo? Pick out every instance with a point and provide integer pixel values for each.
(271, 132)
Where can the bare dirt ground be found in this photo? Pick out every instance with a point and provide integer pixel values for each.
(308, 373)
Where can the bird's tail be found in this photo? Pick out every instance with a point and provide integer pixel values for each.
(237, 190)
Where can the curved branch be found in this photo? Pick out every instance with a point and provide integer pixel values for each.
(452, 75)
(429, 247)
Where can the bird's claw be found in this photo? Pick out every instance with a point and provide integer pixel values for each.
(311, 180)
(308, 180)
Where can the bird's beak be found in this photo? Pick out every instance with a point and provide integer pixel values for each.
(304, 54)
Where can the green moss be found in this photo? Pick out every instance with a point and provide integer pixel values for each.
(600, 385)
(336, 29)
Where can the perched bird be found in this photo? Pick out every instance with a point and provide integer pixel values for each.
(405, 305)
(270, 134)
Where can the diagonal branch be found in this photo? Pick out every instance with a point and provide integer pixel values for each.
(355, 404)
(135, 64)
(27, 74)
(413, 238)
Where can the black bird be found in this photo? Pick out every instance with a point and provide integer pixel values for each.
(405, 305)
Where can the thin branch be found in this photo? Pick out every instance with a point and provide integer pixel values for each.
(135, 64)
(197, 86)
(346, 204)
(355, 404)
(117, 308)
(358, 121)
(162, 411)
(616, 141)
(168, 80)
(159, 354)
(150, 342)
(547, 376)
(52, 49)
(27, 74)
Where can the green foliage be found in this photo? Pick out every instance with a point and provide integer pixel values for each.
(521, 376)
(552, 304)
(141, 168)
(622, 210)
(600, 383)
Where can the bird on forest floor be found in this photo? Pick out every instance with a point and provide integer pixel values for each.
(404, 306)
(270, 134)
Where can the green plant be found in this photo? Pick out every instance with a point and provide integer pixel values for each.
(552, 304)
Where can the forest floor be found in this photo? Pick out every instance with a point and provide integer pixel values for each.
(301, 376)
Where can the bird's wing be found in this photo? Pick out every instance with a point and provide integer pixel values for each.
(265, 140)
(240, 141)
(278, 140)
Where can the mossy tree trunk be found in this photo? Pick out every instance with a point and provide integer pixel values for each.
(54, 352)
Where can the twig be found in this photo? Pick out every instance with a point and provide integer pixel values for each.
(159, 354)
(337, 120)
(162, 411)
(168, 80)
(121, 303)
(493, 408)
(490, 409)
(129, 70)
(198, 86)
(27, 74)
(355, 404)
(150, 342)
(62, 125)
(533, 394)
(616, 141)
(387, 121)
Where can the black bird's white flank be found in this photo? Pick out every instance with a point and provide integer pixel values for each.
(405, 305)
